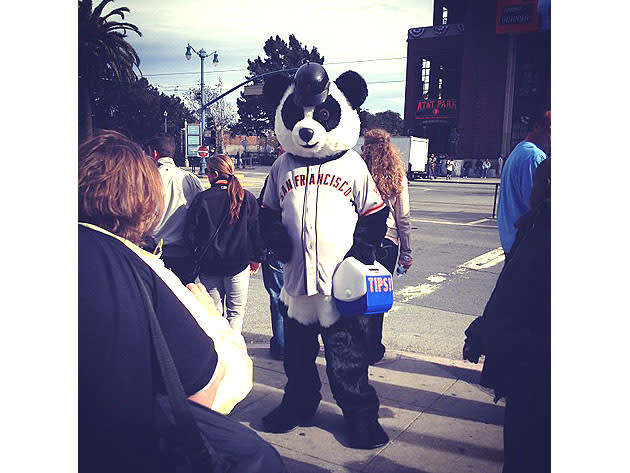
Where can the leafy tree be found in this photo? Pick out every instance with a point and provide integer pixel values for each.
(220, 116)
(137, 110)
(255, 117)
(368, 120)
(103, 54)
(389, 120)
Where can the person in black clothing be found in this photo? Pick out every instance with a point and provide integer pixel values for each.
(466, 169)
(227, 214)
(514, 334)
(119, 204)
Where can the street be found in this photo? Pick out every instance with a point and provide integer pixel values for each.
(457, 259)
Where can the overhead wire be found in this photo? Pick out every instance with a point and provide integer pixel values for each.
(176, 87)
(247, 70)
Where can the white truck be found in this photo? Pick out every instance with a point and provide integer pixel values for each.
(413, 151)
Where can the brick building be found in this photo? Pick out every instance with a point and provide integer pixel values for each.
(475, 76)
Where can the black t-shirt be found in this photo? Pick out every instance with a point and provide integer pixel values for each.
(118, 375)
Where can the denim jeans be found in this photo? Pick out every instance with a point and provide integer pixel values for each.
(273, 277)
(229, 294)
(387, 255)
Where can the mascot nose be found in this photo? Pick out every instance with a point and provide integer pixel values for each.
(306, 134)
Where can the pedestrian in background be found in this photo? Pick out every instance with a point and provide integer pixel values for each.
(466, 169)
(224, 219)
(485, 166)
(478, 168)
(388, 171)
(450, 165)
(179, 188)
(514, 334)
(499, 165)
(518, 174)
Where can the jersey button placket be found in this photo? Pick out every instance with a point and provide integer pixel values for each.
(310, 258)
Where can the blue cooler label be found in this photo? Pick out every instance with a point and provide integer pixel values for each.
(380, 284)
(380, 294)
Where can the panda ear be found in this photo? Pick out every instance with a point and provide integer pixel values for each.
(274, 88)
(353, 87)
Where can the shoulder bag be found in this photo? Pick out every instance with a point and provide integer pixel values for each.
(199, 253)
(193, 438)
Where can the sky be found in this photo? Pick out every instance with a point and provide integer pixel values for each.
(366, 36)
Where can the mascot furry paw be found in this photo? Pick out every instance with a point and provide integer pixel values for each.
(320, 206)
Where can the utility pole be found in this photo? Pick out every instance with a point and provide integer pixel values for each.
(215, 60)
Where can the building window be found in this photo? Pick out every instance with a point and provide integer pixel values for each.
(440, 80)
(425, 74)
(444, 15)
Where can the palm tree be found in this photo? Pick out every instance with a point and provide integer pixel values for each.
(104, 53)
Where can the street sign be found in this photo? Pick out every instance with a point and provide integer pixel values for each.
(203, 151)
(193, 138)
(256, 89)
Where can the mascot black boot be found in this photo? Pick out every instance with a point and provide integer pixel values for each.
(319, 207)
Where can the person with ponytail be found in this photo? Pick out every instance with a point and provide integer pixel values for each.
(388, 172)
(224, 218)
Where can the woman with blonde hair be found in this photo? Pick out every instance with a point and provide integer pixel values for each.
(222, 232)
(388, 172)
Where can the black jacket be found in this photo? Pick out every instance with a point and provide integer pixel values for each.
(236, 244)
(514, 331)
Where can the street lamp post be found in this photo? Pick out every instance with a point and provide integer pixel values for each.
(215, 60)
(165, 115)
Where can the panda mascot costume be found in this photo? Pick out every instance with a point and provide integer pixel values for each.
(320, 206)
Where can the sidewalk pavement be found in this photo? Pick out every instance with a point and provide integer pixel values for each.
(438, 419)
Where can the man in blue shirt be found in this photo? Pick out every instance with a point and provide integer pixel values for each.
(518, 176)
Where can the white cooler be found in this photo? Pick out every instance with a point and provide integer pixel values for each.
(361, 289)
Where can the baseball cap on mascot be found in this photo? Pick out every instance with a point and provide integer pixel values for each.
(311, 85)
(362, 289)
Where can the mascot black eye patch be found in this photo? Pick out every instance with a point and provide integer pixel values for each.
(291, 113)
(328, 113)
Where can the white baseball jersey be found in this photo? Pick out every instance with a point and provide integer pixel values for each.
(320, 205)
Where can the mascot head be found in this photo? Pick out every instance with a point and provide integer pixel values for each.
(314, 117)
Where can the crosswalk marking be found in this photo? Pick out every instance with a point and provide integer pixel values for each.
(487, 260)
(481, 220)
(484, 261)
(463, 224)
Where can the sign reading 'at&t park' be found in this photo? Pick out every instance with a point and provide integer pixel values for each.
(438, 110)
